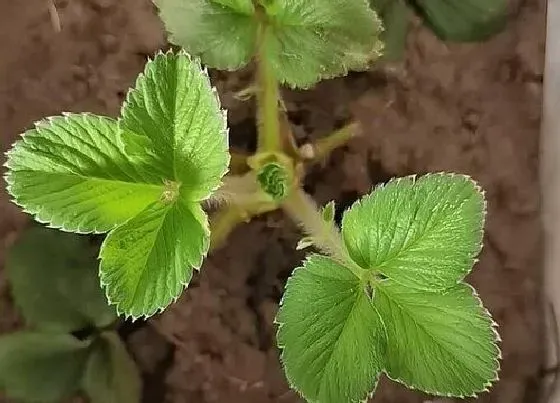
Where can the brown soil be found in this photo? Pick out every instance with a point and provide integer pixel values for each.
(473, 109)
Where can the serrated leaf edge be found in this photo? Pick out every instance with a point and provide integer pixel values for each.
(9, 182)
(173, 39)
(281, 347)
(414, 179)
(497, 339)
(204, 73)
(172, 298)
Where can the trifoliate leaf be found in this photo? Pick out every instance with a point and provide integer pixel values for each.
(148, 261)
(111, 376)
(41, 367)
(331, 336)
(165, 155)
(73, 173)
(55, 283)
(174, 105)
(222, 32)
(423, 233)
(441, 343)
(302, 42)
(463, 20)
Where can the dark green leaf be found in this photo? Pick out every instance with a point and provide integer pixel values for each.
(463, 20)
(41, 367)
(395, 17)
(54, 279)
(111, 376)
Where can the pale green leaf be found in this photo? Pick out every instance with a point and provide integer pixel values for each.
(148, 261)
(222, 32)
(174, 106)
(111, 375)
(307, 41)
(441, 343)
(463, 20)
(331, 336)
(72, 172)
(41, 367)
(423, 233)
(55, 283)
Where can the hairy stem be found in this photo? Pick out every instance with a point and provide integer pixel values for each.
(240, 190)
(224, 221)
(322, 148)
(268, 96)
(325, 235)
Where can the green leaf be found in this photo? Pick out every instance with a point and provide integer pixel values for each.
(423, 233)
(274, 180)
(41, 367)
(442, 343)
(174, 106)
(303, 41)
(165, 155)
(308, 41)
(72, 172)
(463, 20)
(222, 32)
(331, 336)
(395, 17)
(111, 376)
(148, 261)
(54, 280)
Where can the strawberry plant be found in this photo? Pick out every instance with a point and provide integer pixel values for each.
(384, 294)
(71, 343)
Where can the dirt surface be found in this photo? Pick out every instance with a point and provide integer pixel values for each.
(473, 109)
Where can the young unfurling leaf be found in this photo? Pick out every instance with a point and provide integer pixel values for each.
(142, 177)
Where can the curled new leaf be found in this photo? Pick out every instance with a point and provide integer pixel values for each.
(274, 180)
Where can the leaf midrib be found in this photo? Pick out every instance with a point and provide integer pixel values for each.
(93, 178)
(337, 342)
(149, 255)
